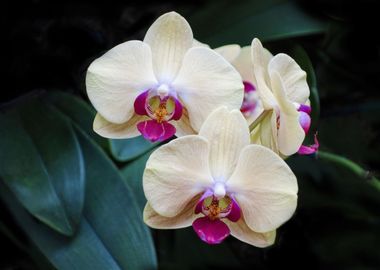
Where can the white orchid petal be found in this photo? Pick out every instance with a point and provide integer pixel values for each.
(243, 64)
(175, 173)
(294, 78)
(169, 37)
(260, 60)
(290, 132)
(255, 135)
(264, 187)
(205, 82)
(229, 52)
(228, 133)
(114, 80)
(118, 131)
(268, 131)
(184, 219)
(241, 231)
(197, 43)
(256, 113)
(183, 126)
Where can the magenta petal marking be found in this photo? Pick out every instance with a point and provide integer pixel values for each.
(177, 110)
(304, 108)
(305, 121)
(311, 149)
(154, 131)
(140, 102)
(248, 87)
(306, 150)
(211, 231)
(235, 213)
(198, 207)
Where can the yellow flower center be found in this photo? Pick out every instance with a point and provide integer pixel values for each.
(160, 113)
(214, 207)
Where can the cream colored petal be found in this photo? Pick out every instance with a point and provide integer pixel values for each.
(229, 52)
(268, 132)
(243, 64)
(205, 82)
(184, 218)
(290, 132)
(114, 80)
(169, 37)
(292, 75)
(197, 43)
(117, 131)
(241, 231)
(255, 135)
(256, 113)
(260, 60)
(264, 187)
(175, 173)
(183, 126)
(228, 133)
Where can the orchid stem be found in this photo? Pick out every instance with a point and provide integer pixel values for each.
(258, 120)
(349, 164)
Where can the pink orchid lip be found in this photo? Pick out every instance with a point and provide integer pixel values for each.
(178, 110)
(304, 108)
(154, 131)
(211, 231)
(248, 87)
(311, 149)
(210, 228)
(305, 121)
(140, 102)
(198, 207)
(235, 212)
(157, 129)
(248, 105)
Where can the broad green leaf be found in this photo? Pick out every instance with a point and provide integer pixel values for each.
(133, 173)
(83, 116)
(111, 235)
(84, 251)
(80, 113)
(41, 162)
(266, 20)
(301, 57)
(128, 149)
(112, 211)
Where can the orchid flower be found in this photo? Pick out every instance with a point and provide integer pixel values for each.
(241, 59)
(284, 93)
(220, 184)
(160, 86)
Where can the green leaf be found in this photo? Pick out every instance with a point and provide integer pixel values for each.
(80, 113)
(83, 116)
(41, 162)
(111, 235)
(266, 20)
(301, 57)
(128, 149)
(133, 173)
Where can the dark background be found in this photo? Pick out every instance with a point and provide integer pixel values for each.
(48, 45)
